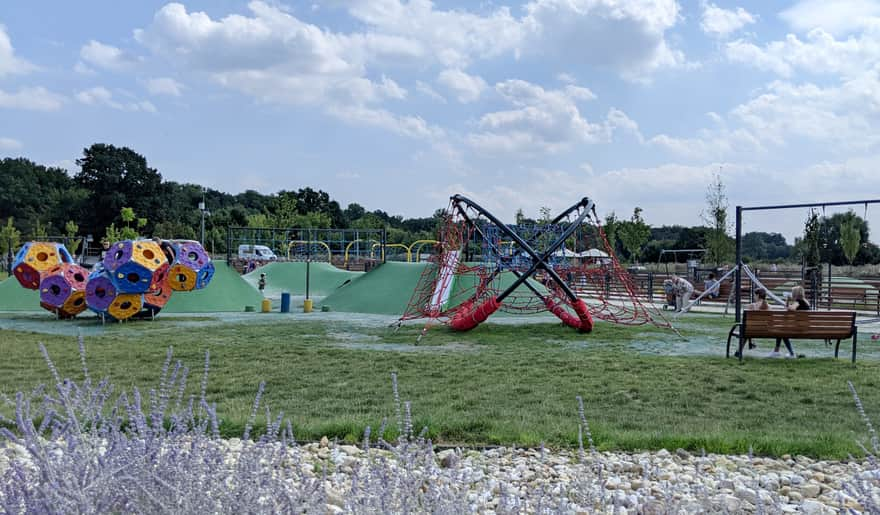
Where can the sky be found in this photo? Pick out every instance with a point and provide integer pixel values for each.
(398, 104)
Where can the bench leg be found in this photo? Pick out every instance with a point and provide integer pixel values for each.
(855, 337)
(742, 343)
(730, 335)
(836, 346)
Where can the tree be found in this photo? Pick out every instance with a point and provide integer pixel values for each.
(115, 178)
(39, 232)
(719, 246)
(610, 228)
(29, 191)
(286, 211)
(10, 238)
(368, 221)
(71, 230)
(808, 246)
(353, 212)
(634, 234)
(765, 246)
(850, 239)
(832, 234)
(546, 215)
(258, 220)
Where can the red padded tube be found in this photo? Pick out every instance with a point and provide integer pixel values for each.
(582, 322)
(470, 317)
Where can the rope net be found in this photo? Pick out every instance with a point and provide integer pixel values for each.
(480, 268)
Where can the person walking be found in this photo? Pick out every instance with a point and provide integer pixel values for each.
(261, 284)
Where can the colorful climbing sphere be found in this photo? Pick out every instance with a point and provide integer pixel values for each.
(63, 290)
(35, 258)
(192, 268)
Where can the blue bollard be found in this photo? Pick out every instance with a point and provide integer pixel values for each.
(285, 302)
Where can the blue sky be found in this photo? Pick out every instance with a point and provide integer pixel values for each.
(397, 104)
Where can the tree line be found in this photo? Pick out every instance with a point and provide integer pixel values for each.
(115, 192)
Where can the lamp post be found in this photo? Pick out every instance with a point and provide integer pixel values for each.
(205, 212)
(9, 257)
(83, 255)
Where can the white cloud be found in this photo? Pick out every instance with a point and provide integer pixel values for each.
(722, 22)
(544, 121)
(392, 89)
(9, 144)
(567, 78)
(105, 56)
(165, 86)
(32, 99)
(411, 126)
(426, 89)
(674, 193)
(467, 88)
(9, 63)
(101, 96)
(83, 69)
(274, 57)
(838, 17)
(845, 117)
(625, 36)
(836, 120)
(710, 144)
(819, 53)
(454, 38)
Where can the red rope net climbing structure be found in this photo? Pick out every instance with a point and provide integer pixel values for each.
(483, 266)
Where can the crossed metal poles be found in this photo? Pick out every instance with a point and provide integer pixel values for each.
(583, 208)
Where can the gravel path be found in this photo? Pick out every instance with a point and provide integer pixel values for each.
(506, 480)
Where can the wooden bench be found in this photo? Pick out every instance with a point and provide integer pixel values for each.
(859, 298)
(802, 325)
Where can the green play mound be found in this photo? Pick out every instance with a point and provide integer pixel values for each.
(385, 290)
(226, 292)
(521, 297)
(324, 278)
(15, 298)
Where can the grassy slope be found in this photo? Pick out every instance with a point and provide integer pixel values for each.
(499, 384)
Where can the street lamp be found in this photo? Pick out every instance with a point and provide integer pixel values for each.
(205, 212)
(84, 252)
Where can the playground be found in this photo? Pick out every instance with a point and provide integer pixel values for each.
(491, 341)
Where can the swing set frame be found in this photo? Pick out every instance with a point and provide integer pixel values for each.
(739, 213)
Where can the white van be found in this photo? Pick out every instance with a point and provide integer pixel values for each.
(256, 252)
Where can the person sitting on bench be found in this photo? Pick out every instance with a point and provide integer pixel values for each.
(797, 302)
(760, 304)
(712, 286)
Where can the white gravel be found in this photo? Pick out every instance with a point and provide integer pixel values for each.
(507, 479)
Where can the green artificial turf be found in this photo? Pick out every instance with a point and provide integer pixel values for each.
(498, 384)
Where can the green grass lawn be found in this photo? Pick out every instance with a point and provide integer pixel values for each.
(499, 384)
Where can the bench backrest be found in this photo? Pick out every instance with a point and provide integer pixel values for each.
(798, 324)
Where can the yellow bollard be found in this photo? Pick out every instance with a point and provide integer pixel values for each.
(267, 305)
(307, 306)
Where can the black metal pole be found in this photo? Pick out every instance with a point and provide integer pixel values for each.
(228, 244)
(814, 204)
(738, 293)
(308, 263)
